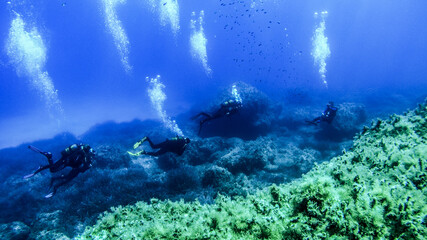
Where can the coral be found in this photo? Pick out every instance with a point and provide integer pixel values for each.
(377, 190)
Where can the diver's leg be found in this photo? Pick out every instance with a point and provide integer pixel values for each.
(51, 165)
(155, 146)
(41, 168)
(314, 121)
(63, 180)
(317, 120)
(200, 114)
(52, 180)
(152, 145)
(57, 166)
(158, 153)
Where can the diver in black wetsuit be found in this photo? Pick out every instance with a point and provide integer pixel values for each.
(175, 145)
(77, 156)
(327, 116)
(227, 108)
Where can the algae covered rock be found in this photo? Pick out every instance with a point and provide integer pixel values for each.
(14, 231)
(377, 190)
(216, 177)
(246, 157)
(291, 156)
(42, 235)
(349, 117)
(182, 179)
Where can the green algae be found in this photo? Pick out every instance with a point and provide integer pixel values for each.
(377, 190)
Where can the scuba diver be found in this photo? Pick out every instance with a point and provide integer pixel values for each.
(175, 145)
(77, 156)
(327, 116)
(227, 108)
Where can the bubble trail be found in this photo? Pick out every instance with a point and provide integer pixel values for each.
(157, 97)
(198, 41)
(168, 13)
(321, 51)
(119, 35)
(236, 94)
(27, 53)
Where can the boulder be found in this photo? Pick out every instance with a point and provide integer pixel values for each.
(14, 231)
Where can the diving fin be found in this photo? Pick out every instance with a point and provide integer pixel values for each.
(46, 154)
(49, 195)
(29, 175)
(132, 154)
(34, 173)
(137, 144)
(35, 149)
(136, 154)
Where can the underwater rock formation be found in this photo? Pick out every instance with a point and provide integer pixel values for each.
(123, 134)
(375, 190)
(14, 231)
(255, 118)
(348, 121)
(245, 157)
(216, 177)
(350, 117)
(50, 226)
(210, 166)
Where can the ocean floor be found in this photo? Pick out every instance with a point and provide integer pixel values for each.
(252, 175)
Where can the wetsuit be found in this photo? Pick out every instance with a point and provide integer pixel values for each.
(227, 108)
(175, 145)
(76, 156)
(327, 116)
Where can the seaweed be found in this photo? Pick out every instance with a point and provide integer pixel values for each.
(377, 190)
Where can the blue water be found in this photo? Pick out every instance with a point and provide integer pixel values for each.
(108, 72)
(377, 50)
